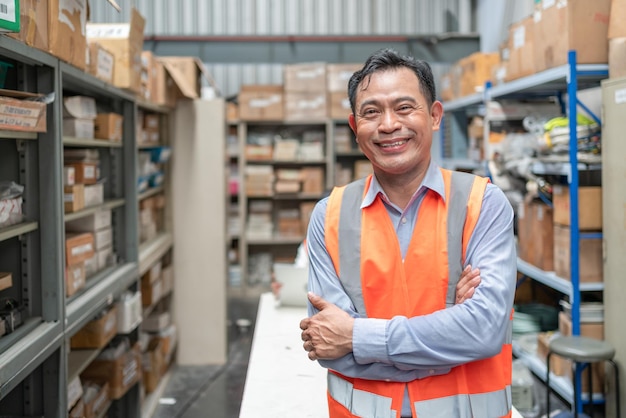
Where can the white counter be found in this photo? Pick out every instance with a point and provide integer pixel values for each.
(281, 381)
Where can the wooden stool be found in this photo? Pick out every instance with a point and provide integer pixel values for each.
(582, 350)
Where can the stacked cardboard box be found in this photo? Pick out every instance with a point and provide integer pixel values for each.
(260, 223)
(617, 39)
(338, 76)
(589, 220)
(261, 102)
(98, 225)
(305, 91)
(125, 41)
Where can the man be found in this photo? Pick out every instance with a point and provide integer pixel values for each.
(385, 253)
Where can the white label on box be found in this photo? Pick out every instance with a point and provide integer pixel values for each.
(620, 96)
(68, 176)
(89, 172)
(519, 37)
(104, 65)
(18, 121)
(82, 249)
(108, 30)
(68, 197)
(7, 11)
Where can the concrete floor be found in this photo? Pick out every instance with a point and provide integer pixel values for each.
(216, 391)
(213, 391)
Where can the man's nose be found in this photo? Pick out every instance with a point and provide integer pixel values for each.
(389, 121)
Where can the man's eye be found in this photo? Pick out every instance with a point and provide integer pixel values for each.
(370, 112)
(405, 108)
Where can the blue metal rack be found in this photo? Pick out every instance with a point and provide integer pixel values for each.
(571, 78)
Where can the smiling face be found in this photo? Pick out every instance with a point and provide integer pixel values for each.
(394, 124)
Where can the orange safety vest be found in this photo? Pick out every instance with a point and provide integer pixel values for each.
(380, 285)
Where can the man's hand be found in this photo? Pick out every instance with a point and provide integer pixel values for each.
(468, 282)
(327, 334)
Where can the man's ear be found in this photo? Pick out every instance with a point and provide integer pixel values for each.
(352, 122)
(436, 114)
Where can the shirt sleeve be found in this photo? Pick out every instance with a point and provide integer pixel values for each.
(323, 281)
(473, 330)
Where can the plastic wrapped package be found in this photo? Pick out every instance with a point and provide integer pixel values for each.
(10, 203)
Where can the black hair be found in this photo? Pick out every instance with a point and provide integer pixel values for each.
(387, 59)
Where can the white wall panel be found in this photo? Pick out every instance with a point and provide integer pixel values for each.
(288, 17)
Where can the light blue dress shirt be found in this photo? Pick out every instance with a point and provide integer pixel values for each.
(403, 349)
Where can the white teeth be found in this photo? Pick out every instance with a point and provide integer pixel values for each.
(394, 144)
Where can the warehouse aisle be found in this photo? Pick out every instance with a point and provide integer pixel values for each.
(213, 391)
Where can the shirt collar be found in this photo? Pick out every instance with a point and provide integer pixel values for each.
(433, 180)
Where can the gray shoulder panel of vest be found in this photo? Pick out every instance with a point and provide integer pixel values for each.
(350, 243)
(460, 188)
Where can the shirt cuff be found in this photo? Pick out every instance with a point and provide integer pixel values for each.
(369, 341)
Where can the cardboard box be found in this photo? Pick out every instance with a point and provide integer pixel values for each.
(617, 57)
(103, 238)
(99, 402)
(153, 365)
(308, 106)
(33, 24)
(74, 197)
(156, 322)
(125, 41)
(78, 410)
(84, 172)
(535, 234)
(10, 16)
(6, 280)
(189, 71)
(261, 102)
(150, 292)
(98, 332)
(564, 25)
(521, 48)
(17, 114)
(148, 76)
(476, 71)
(75, 278)
(109, 126)
(338, 76)
(590, 257)
(589, 207)
(74, 391)
(78, 128)
(66, 30)
(339, 106)
(79, 107)
(105, 257)
(305, 78)
(128, 312)
(101, 62)
(78, 247)
(617, 25)
(94, 194)
(90, 223)
(121, 373)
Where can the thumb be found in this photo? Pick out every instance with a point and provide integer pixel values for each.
(317, 301)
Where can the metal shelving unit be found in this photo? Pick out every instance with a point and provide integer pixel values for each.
(278, 245)
(36, 362)
(569, 78)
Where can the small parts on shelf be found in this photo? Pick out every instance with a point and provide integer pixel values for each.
(10, 203)
(10, 315)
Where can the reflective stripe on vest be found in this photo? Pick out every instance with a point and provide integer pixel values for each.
(493, 404)
(359, 402)
(366, 404)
